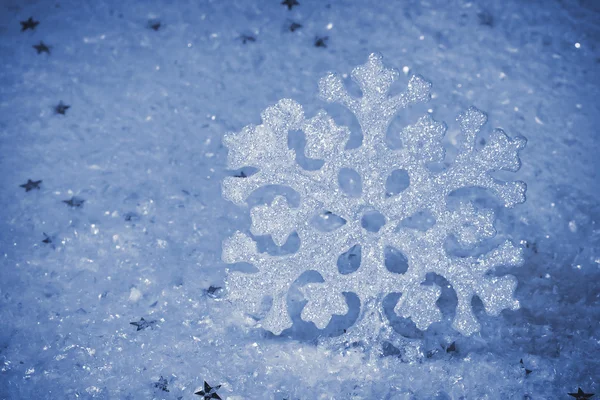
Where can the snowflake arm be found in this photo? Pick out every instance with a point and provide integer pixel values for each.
(375, 108)
(249, 289)
(470, 277)
(473, 168)
(265, 145)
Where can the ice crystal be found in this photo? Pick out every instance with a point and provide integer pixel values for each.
(372, 217)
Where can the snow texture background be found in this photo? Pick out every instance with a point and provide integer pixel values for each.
(141, 144)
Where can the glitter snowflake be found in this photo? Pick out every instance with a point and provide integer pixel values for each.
(372, 217)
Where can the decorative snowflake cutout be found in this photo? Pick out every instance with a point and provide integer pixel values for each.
(372, 218)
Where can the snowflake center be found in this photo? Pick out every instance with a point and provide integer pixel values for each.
(372, 221)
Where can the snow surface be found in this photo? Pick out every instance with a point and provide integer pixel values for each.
(141, 144)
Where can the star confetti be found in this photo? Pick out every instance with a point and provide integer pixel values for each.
(208, 392)
(581, 395)
(30, 185)
(143, 324)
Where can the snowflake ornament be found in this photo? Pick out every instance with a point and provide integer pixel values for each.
(372, 217)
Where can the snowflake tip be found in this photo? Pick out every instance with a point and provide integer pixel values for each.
(373, 77)
(519, 141)
(515, 194)
(502, 152)
(323, 137)
(375, 58)
(286, 115)
(331, 88)
(471, 226)
(466, 323)
(472, 119)
(419, 305)
(470, 122)
(424, 139)
(278, 319)
(238, 248)
(322, 304)
(419, 90)
(507, 254)
(496, 293)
